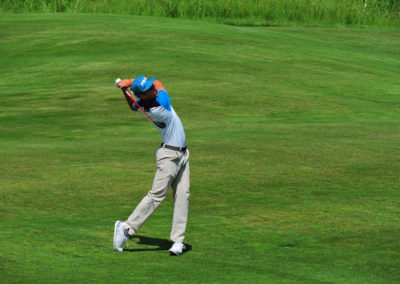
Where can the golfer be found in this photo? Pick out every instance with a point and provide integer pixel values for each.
(172, 164)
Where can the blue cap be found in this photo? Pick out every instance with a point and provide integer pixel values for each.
(142, 84)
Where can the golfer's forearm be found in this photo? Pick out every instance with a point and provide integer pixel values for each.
(130, 100)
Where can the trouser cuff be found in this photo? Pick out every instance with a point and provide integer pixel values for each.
(131, 231)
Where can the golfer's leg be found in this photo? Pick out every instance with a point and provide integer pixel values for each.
(181, 188)
(167, 169)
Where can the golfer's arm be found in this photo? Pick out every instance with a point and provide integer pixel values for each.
(130, 99)
(158, 85)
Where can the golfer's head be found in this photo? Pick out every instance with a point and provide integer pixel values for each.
(143, 87)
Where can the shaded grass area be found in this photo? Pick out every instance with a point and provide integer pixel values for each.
(293, 136)
(361, 13)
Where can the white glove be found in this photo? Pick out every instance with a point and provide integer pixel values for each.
(117, 81)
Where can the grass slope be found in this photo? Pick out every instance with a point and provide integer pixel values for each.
(294, 137)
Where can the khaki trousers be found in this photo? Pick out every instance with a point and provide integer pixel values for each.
(172, 171)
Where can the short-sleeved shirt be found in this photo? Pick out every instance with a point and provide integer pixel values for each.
(160, 110)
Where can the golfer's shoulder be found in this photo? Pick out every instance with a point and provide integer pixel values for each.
(164, 100)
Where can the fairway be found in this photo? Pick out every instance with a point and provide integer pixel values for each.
(294, 135)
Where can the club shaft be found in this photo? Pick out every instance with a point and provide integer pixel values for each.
(127, 92)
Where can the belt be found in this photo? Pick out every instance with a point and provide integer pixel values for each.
(181, 149)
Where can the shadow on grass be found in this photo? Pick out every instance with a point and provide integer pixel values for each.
(161, 244)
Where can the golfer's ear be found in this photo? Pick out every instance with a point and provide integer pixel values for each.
(159, 86)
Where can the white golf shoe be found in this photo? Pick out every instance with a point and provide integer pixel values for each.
(120, 236)
(177, 248)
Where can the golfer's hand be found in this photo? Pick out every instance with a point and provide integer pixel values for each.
(126, 83)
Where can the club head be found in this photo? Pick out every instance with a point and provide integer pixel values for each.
(160, 124)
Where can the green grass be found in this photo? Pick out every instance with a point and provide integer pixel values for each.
(360, 13)
(294, 137)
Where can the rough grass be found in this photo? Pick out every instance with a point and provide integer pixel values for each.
(294, 151)
(361, 13)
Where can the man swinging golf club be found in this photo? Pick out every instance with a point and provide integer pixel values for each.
(172, 162)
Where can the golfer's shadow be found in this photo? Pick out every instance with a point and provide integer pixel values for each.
(160, 244)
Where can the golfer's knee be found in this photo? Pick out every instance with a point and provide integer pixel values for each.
(157, 196)
(184, 196)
